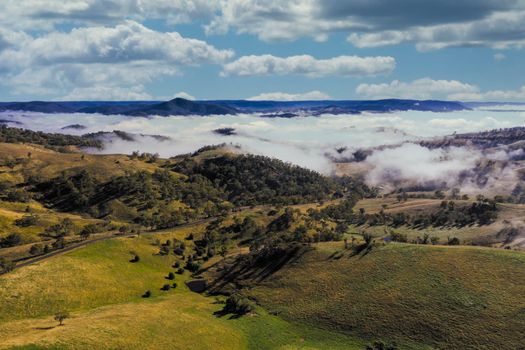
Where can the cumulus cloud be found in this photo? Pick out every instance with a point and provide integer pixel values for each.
(500, 30)
(86, 60)
(283, 96)
(430, 25)
(349, 66)
(46, 14)
(427, 88)
(126, 42)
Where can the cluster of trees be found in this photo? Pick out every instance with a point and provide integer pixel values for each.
(425, 239)
(238, 304)
(70, 191)
(141, 190)
(9, 192)
(11, 240)
(252, 180)
(144, 156)
(54, 141)
(482, 212)
(211, 188)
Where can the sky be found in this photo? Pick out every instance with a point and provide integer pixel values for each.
(468, 50)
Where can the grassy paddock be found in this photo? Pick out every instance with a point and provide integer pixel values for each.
(460, 297)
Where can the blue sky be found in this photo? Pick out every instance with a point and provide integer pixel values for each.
(262, 49)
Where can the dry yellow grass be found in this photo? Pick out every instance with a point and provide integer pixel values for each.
(169, 322)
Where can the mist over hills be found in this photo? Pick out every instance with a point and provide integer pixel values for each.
(180, 106)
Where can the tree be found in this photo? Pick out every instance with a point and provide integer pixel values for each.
(453, 241)
(10, 240)
(223, 250)
(36, 249)
(61, 316)
(238, 305)
(135, 258)
(171, 276)
(6, 265)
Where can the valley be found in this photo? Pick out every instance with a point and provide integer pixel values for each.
(291, 259)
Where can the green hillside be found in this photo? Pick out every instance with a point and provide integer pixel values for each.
(444, 297)
(103, 292)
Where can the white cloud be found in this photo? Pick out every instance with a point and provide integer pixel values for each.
(494, 95)
(427, 88)
(102, 93)
(45, 14)
(500, 30)
(87, 60)
(126, 42)
(411, 162)
(428, 24)
(424, 88)
(349, 66)
(283, 96)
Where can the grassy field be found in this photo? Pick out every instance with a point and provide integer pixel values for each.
(102, 291)
(444, 297)
(48, 163)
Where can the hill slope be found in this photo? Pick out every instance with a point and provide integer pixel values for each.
(102, 291)
(447, 298)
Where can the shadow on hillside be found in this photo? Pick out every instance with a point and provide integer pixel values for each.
(252, 269)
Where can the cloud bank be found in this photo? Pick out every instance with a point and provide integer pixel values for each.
(283, 96)
(315, 142)
(427, 88)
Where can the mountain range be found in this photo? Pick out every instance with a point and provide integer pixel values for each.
(180, 106)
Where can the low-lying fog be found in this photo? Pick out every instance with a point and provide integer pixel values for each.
(311, 142)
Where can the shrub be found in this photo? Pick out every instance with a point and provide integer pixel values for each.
(398, 237)
(26, 221)
(192, 266)
(135, 258)
(146, 294)
(180, 271)
(171, 276)
(179, 250)
(453, 241)
(174, 285)
(238, 305)
(176, 265)
(6, 265)
(18, 195)
(10, 240)
(166, 287)
(36, 249)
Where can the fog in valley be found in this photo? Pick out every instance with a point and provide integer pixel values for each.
(394, 157)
